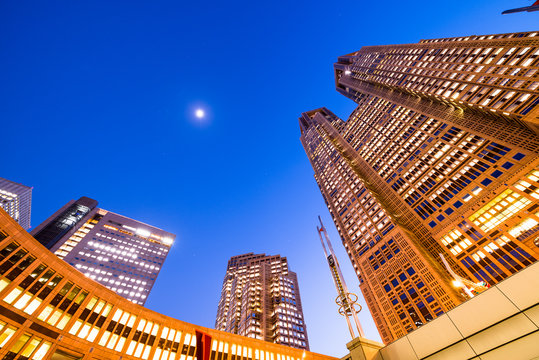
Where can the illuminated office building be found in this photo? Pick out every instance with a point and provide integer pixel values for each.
(123, 254)
(16, 200)
(260, 299)
(439, 157)
(51, 311)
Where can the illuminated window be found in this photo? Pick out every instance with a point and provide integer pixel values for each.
(498, 210)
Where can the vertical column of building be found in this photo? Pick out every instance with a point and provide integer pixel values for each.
(225, 299)
(223, 308)
(373, 241)
(229, 309)
(234, 311)
(299, 327)
(251, 301)
(267, 307)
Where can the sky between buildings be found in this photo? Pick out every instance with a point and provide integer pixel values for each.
(97, 99)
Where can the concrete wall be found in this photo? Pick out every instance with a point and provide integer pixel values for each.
(500, 323)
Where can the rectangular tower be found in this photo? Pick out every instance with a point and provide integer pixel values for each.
(439, 157)
(123, 254)
(260, 299)
(16, 200)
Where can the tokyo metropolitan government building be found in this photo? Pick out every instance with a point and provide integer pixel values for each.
(435, 172)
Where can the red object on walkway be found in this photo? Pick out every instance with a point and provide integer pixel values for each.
(203, 345)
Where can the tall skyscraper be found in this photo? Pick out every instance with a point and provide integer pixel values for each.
(440, 157)
(16, 200)
(123, 254)
(260, 299)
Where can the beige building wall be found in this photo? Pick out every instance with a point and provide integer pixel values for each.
(501, 323)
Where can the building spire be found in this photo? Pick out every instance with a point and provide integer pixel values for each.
(348, 306)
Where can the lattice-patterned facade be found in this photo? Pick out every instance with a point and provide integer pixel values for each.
(415, 172)
(260, 299)
(498, 73)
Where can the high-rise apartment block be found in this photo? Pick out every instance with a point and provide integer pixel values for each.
(439, 159)
(123, 254)
(16, 200)
(260, 299)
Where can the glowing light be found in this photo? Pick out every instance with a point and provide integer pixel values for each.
(457, 283)
(199, 113)
(167, 240)
(143, 233)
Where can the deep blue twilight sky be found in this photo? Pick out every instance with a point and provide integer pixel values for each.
(97, 98)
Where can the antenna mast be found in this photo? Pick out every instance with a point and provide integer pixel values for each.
(348, 306)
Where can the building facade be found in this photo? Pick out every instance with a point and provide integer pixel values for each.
(436, 171)
(472, 330)
(123, 254)
(16, 200)
(49, 310)
(260, 299)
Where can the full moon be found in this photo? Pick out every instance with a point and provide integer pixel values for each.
(199, 113)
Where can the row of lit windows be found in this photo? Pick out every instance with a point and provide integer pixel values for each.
(27, 345)
(283, 339)
(455, 241)
(500, 209)
(460, 87)
(489, 218)
(506, 204)
(75, 239)
(137, 233)
(126, 258)
(133, 244)
(483, 37)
